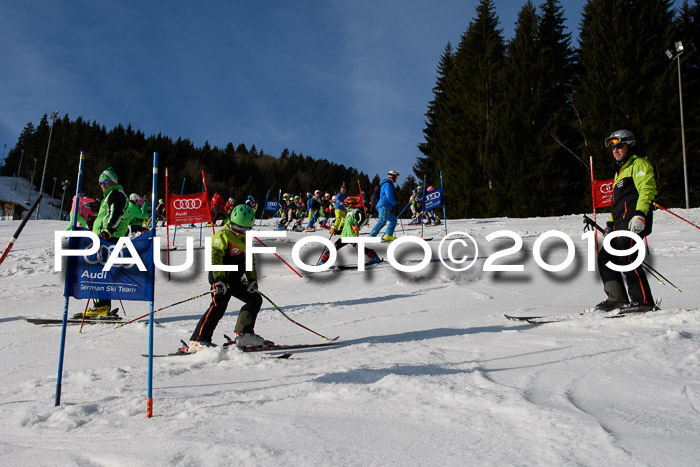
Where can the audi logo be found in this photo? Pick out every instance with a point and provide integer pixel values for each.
(187, 203)
(432, 196)
(606, 188)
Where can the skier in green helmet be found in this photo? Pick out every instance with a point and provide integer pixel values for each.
(228, 248)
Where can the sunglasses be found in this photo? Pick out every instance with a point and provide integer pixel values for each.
(105, 182)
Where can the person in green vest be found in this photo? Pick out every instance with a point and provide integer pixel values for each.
(111, 223)
(137, 217)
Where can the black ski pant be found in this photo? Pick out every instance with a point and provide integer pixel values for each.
(637, 283)
(217, 308)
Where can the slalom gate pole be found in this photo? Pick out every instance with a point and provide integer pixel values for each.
(201, 224)
(149, 397)
(290, 319)
(167, 221)
(660, 277)
(204, 182)
(404, 208)
(20, 228)
(422, 205)
(163, 308)
(262, 213)
(182, 192)
(278, 257)
(71, 260)
(444, 211)
(660, 207)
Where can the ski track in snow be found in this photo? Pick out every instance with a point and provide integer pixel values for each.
(427, 370)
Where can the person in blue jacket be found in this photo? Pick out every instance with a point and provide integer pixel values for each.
(385, 206)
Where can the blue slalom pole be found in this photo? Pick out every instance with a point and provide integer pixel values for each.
(444, 212)
(149, 400)
(59, 379)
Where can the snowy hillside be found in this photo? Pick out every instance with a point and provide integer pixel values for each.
(48, 208)
(428, 371)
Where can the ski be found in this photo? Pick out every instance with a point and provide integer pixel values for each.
(540, 319)
(276, 347)
(343, 267)
(49, 321)
(179, 353)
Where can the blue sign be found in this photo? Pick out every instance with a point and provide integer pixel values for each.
(434, 199)
(272, 206)
(86, 279)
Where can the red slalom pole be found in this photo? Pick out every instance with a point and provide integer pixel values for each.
(19, 229)
(661, 207)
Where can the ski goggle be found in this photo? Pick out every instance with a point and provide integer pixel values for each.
(104, 182)
(614, 142)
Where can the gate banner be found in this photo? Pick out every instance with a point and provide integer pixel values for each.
(602, 193)
(434, 199)
(272, 206)
(86, 279)
(188, 209)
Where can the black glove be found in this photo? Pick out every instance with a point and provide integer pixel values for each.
(104, 235)
(609, 227)
(219, 288)
(252, 286)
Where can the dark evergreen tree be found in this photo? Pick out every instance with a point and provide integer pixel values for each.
(623, 82)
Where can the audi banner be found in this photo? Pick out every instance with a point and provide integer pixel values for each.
(272, 206)
(188, 209)
(86, 279)
(434, 199)
(602, 193)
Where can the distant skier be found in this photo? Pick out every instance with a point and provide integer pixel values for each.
(387, 202)
(137, 217)
(354, 220)
(633, 194)
(85, 213)
(340, 210)
(228, 248)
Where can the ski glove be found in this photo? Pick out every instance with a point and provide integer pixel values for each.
(609, 227)
(252, 286)
(104, 235)
(637, 224)
(220, 288)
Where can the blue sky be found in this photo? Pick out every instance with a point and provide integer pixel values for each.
(344, 80)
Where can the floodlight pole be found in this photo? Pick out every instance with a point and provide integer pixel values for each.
(52, 117)
(669, 54)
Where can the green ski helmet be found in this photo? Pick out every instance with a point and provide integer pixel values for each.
(242, 217)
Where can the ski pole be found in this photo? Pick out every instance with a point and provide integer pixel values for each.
(685, 220)
(160, 309)
(19, 229)
(590, 222)
(278, 257)
(290, 319)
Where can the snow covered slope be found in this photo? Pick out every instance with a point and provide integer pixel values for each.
(428, 371)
